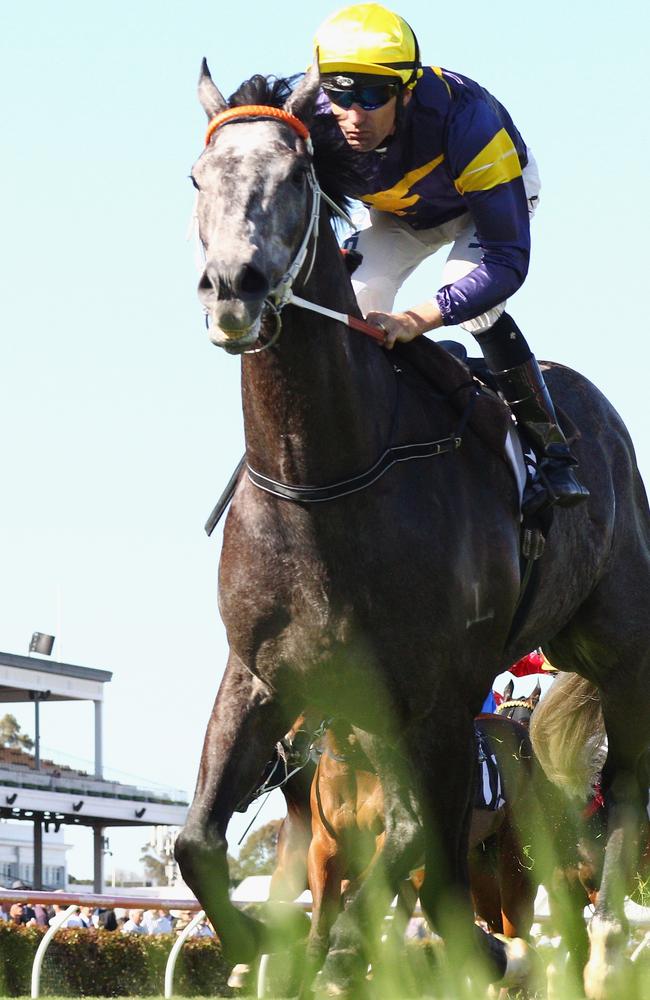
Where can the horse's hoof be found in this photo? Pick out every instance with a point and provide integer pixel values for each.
(323, 989)
(607, 973)
(238, 978)
(343, 975)
(523, 966)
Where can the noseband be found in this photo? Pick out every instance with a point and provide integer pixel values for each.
(282, 294)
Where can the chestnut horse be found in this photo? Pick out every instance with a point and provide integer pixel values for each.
(370, 560)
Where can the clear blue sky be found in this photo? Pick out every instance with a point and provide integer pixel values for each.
(122, 423)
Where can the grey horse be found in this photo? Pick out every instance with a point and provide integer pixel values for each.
(371, 585)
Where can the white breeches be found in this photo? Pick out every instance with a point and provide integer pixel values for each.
(392, 250)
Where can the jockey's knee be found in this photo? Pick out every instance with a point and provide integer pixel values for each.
(374, 293)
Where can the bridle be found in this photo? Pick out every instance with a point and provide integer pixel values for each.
(505, 706)
(288, 761)
(282, 295)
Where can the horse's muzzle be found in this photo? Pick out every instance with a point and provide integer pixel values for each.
(233, 298)
(234, 341)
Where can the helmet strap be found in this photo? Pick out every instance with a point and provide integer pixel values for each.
(416, 57)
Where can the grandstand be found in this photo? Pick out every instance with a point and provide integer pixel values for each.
(47, 794)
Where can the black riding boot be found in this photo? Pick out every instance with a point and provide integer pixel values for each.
(522, 385)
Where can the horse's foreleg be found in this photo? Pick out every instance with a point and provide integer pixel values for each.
(245, 723)
(625, 793)
(355, 934)
(517, 885)
(290, 876)
(407, 897)
(484, 885)
(324, 872)
(448, 760)
(567, 900)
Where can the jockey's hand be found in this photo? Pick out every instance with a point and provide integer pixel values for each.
(406, 326)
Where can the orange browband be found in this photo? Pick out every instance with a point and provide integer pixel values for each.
(256, 111)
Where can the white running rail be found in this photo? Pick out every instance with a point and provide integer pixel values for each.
(75, 900)
(174, 953)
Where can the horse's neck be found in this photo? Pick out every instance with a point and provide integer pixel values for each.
(318, 406)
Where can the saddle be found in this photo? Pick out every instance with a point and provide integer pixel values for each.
(445, 365)
(446, 368)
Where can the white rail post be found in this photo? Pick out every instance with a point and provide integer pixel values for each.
(173, 955)
(640, 947)
(59, 919)
(262, 975)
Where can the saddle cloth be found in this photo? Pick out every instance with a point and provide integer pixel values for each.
(488, 791)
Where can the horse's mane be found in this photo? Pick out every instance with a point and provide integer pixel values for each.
(339, 169)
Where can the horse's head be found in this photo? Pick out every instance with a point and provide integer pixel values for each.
(254, 199)
(519, 709)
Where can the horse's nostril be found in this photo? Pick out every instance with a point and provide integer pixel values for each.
(251, 283)
(245, 283)
(205, 285)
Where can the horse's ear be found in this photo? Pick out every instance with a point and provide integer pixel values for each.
(536, 693)
(302, 102)
(211, 98)
(509, 688)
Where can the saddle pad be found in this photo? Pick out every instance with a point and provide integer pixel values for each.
(488, 792)
(517, 460)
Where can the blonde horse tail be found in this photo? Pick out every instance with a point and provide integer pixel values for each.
(568, 735)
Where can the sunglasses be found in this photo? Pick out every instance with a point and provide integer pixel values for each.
(369, 98)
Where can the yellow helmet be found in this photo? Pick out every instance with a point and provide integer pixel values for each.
(367, 38)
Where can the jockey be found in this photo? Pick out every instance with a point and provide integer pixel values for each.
(446, 166)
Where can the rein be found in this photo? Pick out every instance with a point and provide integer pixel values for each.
(282, 295)
(285, 757)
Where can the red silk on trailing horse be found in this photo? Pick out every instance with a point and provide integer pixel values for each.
(533, 663)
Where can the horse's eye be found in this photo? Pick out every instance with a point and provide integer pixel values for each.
(194, 183)
(298, 177)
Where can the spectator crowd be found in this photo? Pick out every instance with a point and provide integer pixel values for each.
(131, 921)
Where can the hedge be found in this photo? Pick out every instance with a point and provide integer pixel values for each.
(89, 962)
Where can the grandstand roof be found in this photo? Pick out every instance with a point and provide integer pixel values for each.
(20, 675)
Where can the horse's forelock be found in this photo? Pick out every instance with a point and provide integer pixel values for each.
(269, 90)
(341, 172)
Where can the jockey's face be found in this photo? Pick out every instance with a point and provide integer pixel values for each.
(366, 130)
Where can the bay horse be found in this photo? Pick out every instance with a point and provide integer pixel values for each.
(518, 709)
(348, 831)
(370, 560)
